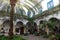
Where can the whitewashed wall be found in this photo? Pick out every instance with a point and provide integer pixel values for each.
(57, 15)
(44, 4)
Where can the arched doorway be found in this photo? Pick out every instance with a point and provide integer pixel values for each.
(55, 23)
(41, 27)
(6, 26)
(19, 28)
(29, 27)
(35, 27)
(53, 19)
(41, 23)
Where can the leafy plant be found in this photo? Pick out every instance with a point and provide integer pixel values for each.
(14, 38)
(57, 36)
(36, 34)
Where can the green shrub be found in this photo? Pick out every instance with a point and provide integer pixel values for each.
(58, 36)
(45, 36)
(14, 38)
(36, 34)
(26, 34)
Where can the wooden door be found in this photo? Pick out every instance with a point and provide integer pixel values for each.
(21, 30)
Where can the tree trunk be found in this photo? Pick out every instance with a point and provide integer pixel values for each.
(11, 23)
(47, 30)
(12, 3)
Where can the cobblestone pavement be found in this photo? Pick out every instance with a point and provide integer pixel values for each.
(32, 37)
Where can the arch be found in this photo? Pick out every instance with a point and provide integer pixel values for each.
(19, 23)
(41, 22)
(35, 27)
(28, 25)
(56, 22)
(35, 24)
(19, 28)
(6, 26)
(6, 22)
(53, 19)
(41, 25)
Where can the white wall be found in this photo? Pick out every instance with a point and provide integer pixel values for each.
(22, 20)
(57, 15)
(44, 4)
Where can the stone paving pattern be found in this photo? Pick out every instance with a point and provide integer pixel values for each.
(32, 37)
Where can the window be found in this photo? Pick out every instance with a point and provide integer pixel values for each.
(50, 4)
(29, 13)
(40, 10)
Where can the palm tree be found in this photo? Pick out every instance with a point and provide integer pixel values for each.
(12, 3)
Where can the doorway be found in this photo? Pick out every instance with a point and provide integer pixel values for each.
(29, 27)
(35, 27)
(21, 30)
(20, 27)
(6, 26)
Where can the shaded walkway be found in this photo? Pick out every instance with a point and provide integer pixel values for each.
(32, 37)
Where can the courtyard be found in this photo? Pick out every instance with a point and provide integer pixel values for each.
(29, 19)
